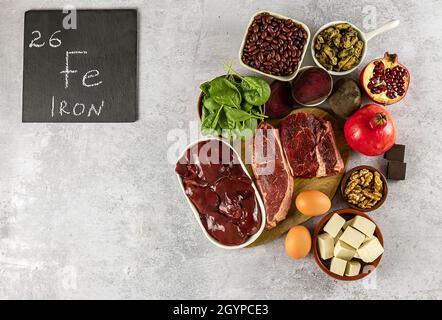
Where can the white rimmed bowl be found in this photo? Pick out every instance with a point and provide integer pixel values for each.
(277, 15)
(325, 98)
(195, 210)
(365, 37)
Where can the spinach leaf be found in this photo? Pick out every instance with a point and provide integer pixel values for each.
(246, 106)
(224, 92)
(256, 91)
(205, 87)
(216, 119)
(248, 128)
(231, 107)
(204, 112)
(224, 122)
(210, 132)
(251, 124)
(207, 120)
(210, 104)
(237, 114)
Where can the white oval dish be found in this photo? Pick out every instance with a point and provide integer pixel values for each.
(323, 100)
(281, 78)
(365, 37)
(196, 213)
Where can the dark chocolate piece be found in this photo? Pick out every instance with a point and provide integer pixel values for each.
(396, 170)
(396, 153)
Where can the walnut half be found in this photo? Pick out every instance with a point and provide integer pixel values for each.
(364, 188)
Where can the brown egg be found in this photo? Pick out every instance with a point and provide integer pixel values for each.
(298, 242)
(312, 203)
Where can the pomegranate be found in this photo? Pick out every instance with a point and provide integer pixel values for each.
(370, 130)
(385, 80)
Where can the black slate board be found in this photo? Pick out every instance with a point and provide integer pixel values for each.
(110, 39)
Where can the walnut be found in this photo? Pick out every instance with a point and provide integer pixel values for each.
(377, 182)
(364, 188)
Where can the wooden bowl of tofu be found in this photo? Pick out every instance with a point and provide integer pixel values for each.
(347, 244)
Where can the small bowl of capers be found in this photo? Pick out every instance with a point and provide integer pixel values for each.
(364, 188)
(340, 46)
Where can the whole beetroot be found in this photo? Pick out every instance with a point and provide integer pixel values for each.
(346, 99)
(281, 101)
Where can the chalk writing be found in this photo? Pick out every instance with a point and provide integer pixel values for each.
(79, 108)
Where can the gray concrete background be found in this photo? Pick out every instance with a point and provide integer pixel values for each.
(94, 210)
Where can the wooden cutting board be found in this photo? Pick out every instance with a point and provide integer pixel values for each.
(327, 185)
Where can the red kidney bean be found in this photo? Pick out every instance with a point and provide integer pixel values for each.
(274, 45)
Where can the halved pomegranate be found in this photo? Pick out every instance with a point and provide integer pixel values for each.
(385, 80)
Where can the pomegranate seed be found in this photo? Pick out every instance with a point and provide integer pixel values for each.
(388, 80)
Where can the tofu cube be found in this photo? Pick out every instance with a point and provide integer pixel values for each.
(364, 225)
(325, 246)
(347, 223)
(338, 236)
(338, 266)
(367, 239)
(344, 251)
(370, 250)
(333, 225)
(353, 268)
(352, 237)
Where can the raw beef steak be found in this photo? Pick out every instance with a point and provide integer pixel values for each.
(272, 174)
(310, 147)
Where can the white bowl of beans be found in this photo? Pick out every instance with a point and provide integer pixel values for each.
(274, 45)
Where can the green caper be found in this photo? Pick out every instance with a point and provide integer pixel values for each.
(337, 40)
(350, 63)
(343, 62)
(339, 47)
(346, 52)
(346, 41)
(358, 48)
(353, 41)
(342, 26)
(328, 51)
